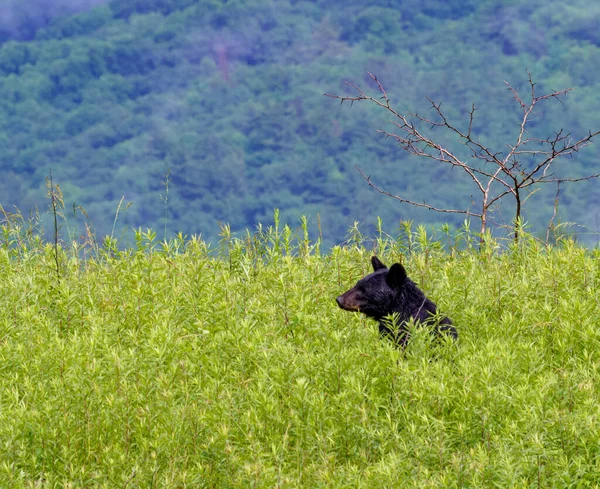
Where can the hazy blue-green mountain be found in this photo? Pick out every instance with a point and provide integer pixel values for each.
(226, 97)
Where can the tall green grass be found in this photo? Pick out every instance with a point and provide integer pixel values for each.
(173, 365)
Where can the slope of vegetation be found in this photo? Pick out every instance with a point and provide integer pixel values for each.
(227, 97)
(168, 365)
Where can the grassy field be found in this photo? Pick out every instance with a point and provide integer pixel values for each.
(168, 365)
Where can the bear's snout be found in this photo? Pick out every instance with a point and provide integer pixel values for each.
(347, 301)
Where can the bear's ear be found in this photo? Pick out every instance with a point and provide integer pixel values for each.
(377, 265)
(396, 276)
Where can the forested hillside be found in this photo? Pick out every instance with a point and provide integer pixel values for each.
(224, 100)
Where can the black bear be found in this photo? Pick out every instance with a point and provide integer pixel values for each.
(390, 293)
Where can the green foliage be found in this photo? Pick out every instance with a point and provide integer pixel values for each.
(229, 97)
(166, 365)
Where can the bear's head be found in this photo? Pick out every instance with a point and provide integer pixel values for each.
(374, 294)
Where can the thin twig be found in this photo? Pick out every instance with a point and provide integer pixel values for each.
(551, 223)
(418, 204)
(54, 205)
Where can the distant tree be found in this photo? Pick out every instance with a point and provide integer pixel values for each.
(495, 174)
(13, 56)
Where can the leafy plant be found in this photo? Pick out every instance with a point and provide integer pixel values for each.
(169, 365)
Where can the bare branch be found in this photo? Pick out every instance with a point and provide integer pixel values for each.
(556, 153)
(418, 204)
(479, 150)
(564, 180)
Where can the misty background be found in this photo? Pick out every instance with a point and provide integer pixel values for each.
(20, 19)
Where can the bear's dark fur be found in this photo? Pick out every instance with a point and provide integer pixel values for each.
(386, 293)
